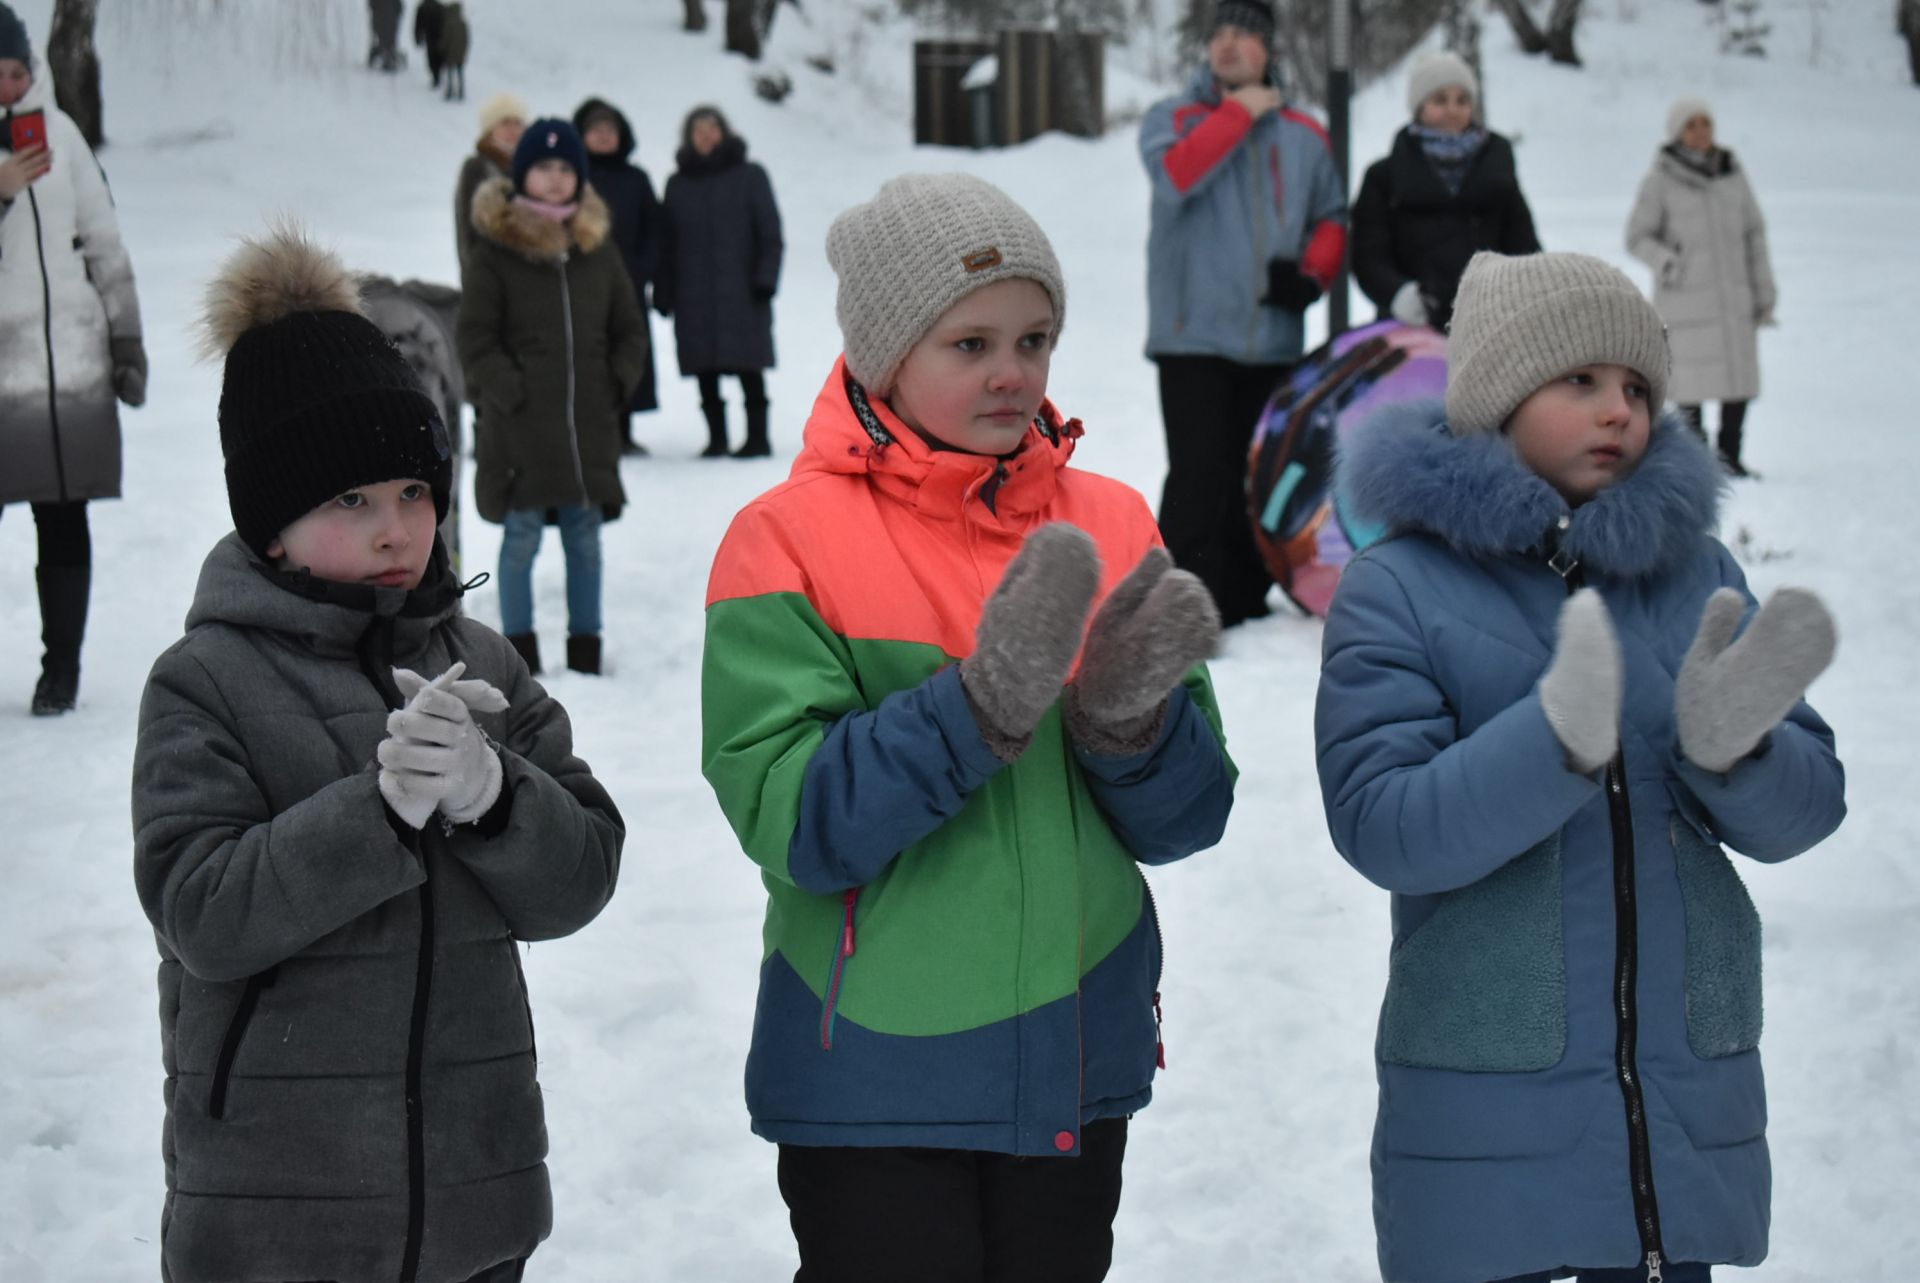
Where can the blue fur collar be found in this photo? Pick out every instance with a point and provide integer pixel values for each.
(1406, 471)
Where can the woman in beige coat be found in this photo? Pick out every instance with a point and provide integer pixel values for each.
(1697, 225)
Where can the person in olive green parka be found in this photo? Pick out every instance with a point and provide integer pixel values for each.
(553, 343)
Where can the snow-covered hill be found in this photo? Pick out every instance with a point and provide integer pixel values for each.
(1251, 1164)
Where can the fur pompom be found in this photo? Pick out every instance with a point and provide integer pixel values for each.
(275, 275)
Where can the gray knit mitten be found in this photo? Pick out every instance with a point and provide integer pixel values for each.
(1158, 623)
(1028, 634)
(1728, 697)
(1580, 691)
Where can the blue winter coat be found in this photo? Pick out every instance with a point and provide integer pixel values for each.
(1503, 1143)
(1211, 165)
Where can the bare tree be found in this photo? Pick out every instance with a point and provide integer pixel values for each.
(1525, 29)
(76, 67)
(1560, 23)
(696, 15)
(1461, 29)
(1909, 17)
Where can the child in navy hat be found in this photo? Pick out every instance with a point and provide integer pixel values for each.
(554, 344)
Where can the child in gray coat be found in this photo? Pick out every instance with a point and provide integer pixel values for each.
(350, 804)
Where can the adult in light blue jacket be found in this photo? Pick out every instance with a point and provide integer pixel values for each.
(1567, 1051)
(1247, 231)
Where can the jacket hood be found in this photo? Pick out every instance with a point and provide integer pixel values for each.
(593, 106)
(1405, 470)
(237, 588)
(39, 95)
(852, 434)
(1720, 163)
(541, 240)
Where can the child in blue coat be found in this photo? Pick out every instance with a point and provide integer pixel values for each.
(1536, 728)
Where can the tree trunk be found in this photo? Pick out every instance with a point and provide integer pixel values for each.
(1910, 28)
(76, 67)
(1525, 30)
(696, 15)
(1560, 23)
(1461, 27)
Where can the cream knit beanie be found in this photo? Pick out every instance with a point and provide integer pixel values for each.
(1520, 322)
(503, 106)
(1685, 109)
(922, 244)
(1435, 71)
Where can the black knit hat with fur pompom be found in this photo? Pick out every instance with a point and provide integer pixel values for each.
(316, 400)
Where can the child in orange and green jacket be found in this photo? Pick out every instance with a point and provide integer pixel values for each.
(948, 775)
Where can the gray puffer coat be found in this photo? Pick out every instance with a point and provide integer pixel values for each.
(1700, 230)
(348, 1042)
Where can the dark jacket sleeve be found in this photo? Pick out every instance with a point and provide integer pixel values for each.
(463, 190)
(768, 247)
(232, 889)
(665, 271)
(1172, 799)
(650, 219)
(626, 336)
(491, 372)
(882, 780)
(552, 864)
(1374, 268)
(1517, 234)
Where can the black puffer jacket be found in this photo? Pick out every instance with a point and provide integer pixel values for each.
(347, 1037)
(1408, 227)
(635, 221)
(720, 261)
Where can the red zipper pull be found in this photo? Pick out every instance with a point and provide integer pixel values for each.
(849, 898)
(1159, 1039)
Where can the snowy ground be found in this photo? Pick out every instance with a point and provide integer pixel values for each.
(1252, 1162)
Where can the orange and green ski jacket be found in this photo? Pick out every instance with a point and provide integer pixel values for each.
(957, 953)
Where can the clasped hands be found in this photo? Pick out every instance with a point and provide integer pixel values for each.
(435, 757)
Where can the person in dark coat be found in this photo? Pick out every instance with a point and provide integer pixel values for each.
(341, 858)
(385, 17)
(456, 40)
(719, 269)
(1446, 191)
(636, 223)
(428, 20)
(553, 343)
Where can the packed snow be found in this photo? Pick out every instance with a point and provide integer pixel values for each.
(1252, 1161)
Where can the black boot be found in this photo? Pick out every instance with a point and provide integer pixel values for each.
(528, 645)
(1733, 423)
(583, 653)
(63, 623)
(756, 446)
(716, 412)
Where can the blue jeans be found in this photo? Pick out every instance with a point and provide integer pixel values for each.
(1682, 1272)
(579, 540)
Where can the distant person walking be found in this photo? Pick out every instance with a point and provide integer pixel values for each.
(428, 22)
(628, 192)
(456, 39)
(1697, 225)
(1248, 230)
(503, 118)
(719, 268)
(385, 51)
(70, 347)
(1447, 190)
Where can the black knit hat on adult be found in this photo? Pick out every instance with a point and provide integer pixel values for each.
(1255, 17)
(316, 400)
(14, 42)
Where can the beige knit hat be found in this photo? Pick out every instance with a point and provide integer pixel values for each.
(1685, 108)
(503, 106)
(1435, 71)
(922, 244)
(1521, 322)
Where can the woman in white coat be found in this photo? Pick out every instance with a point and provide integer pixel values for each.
(69, 349)
(1697, 225)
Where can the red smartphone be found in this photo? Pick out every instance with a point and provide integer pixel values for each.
(29, 129)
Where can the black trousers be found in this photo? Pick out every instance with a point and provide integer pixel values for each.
(64, 537)
(753, 385)
(1210, 406)
(1733, 423)
(954, 1215)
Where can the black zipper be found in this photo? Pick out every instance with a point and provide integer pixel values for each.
(46, 329)
(230, 1045)
(1626, 972)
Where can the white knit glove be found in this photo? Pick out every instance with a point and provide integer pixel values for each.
(1407, 306)
(1580, 693)
(434, 756)
(1730, 694)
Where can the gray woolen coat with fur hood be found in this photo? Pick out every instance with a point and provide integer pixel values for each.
(347, 1037)
(553, 342)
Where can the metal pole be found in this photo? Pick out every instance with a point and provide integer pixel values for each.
(1339, 99)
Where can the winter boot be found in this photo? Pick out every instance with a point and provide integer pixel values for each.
(716, 412)
(63, 623)
(1733, 423)
(583, 653)
(755, 446)
(528, 645)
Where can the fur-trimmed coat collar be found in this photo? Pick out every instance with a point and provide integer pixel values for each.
(1405, 470)
(540, 240)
